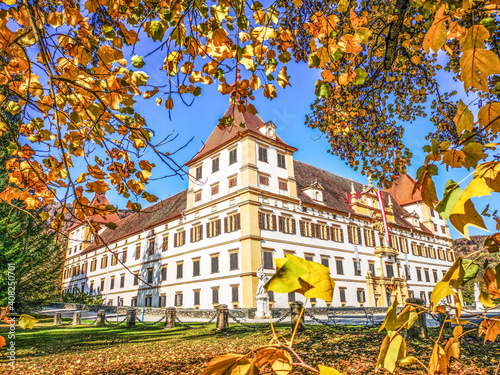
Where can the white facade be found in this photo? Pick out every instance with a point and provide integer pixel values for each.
(249, 221)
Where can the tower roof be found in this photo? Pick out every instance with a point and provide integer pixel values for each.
(96, 216)
(222, 135)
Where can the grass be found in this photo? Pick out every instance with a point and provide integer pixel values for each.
(49, 349)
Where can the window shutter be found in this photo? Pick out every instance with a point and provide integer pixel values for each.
(349, 234)
(238, 224)
(327, 230)
(191, 234)
(208, 230)
(175, 240)
(280, 224)
(332, 234)
(360, 240)
(260, 220)
(341, 231)
(317, 233)
(294, 228)
(200, 232)
(219, 226)
(225, 225)
(373, 237)
(301, 225)
(274, 222)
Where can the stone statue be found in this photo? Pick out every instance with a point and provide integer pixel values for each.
(263, 279)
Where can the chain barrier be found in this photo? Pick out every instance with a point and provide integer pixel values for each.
(114, 324)
(328, 323)
(286, 315)
(89, 324)
(65, 324)
(200, 327)
(149, 324)
(239, 321)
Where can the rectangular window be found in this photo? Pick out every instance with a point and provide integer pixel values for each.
(232, 182)
(440, 253)
(133, 302)
(197, 196)
(268, 259)
(339, 263)
(389, 269)
(233, 260)
(136, 277)
(232, 156)
(427, 276)
(84, 268)
(215, 295)
(357, 267)
(432, 252)
(196, 297)
(291, 297)
(286, 224)
(91, 287)
(337, 234)
(435, 274)
(267, 221)
(215, 164)
(422, 296)
(325, 261)
(283, 185)
(104, 261)
(360, 294)
(234, 293)
(178, 299)
(451, 256)
(342, 295)
(263, 154)
(414, 249)
(403, 245)
(151, 246)
(232, 223)
(179, 238)
(263, 180)
(150, 275)
(114, 260)
(271, 296)
(308, 257)
(164, 244)
(354, 234)
(196, 267)
(199, 173)
(102, 285)
(371, 268)
(124, 256)
(148, 301)
(93, 265)
(419, 274)
(214, 262)
(197, 233)
(179, 270)
(322, 231)
(162, 301)
(122, 280)
(281, 160)
(215, 189)
(112, 282)
(137, 254)
(443, 230)
(306, 228)
(163, 273)
(369, 237)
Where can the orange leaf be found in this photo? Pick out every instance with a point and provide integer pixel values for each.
(490, 280)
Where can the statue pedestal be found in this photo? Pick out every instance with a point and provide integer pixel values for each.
(262, 307)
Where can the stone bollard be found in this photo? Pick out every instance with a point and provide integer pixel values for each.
(295, 309)
(170, 317)
(57, 319)
(77, 318)
(101, 318)
(131, 318)
(222, 317)
(419, 329)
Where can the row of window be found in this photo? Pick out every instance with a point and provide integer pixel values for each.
(214, 189)
(233, 158)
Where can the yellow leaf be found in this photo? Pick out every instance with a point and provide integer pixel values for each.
(453, 158)
(436, 36)
(476, 66)
(474, 38)
(491, 328)
(490, 171)
(350, 44)
(230, 364)
(254, 82)
(489, 117)
(271, 354)
(464, 120)
(270, 91)
(390, 321)
(392, 350)
(476, 188)
(283, 78)
(294, 274)
(27, 321)
(94, 171)
(438, 365)
(281, 368)
(248, 63)
(470, 218)
(324, 370)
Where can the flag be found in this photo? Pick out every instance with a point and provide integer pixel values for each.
(384, 217)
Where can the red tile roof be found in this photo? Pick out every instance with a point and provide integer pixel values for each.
(222, 135)
(337, 191)
(151, 216)
(98, 200)
(402, 190)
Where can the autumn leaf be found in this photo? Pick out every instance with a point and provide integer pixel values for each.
(393, 349)
(490, 280)
(490, 328)
(489, 117)
(436, 36)
(464, 120)
(476, 65)
(231, 364)
(27, 321)
(2, 342)
(324, 370)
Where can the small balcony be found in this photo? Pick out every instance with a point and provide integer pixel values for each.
(386, 250)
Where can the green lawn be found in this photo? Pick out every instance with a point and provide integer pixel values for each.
(153, 350)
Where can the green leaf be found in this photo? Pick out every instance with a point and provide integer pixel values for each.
(140, 78)
(473, 153)
(11, 148)
(284, 57)
(452, 193)
(322, 89)
(44, 215)
(156, 30)
(471, 269)
(137, 62)
(294, 274)
(361, 75)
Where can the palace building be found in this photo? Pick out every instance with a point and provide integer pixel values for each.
(249, 202)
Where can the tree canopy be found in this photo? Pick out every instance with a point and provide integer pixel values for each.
(75, 68)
